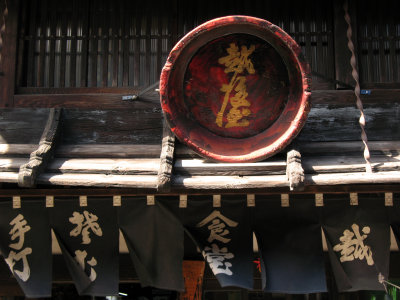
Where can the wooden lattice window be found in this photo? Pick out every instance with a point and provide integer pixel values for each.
(379, 43)
(122, 43)
(96, 43)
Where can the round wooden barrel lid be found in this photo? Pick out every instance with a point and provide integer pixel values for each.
(236, 89)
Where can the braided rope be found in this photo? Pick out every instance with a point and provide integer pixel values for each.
(354, 73)
(3, 30)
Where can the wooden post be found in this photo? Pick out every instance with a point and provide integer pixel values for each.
(9, 55)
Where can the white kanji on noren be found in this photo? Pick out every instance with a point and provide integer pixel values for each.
(216, 258)
(80, 257)
(84, 222)
(352, 245)
(218, 230)
(19, 228)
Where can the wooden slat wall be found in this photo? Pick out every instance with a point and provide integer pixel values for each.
(93, 43)
(379, 43)
(125, 43)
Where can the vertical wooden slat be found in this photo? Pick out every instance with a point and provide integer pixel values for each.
(52, 54)
(105, 33)
(173, 20)
(125, 75)
(31, 44)
(159, 38)
(372, 63)
(149, 16)
(330, 50)
(382, 38)
(63, 59)
(392, 50)
(9, 55)
(136, 51)
(115, 41)
(180, 18)
(307, 31)
(94, 33)
(342, 53)
(21, 75)
(85, 43)
(42, 41)
(74, 41)
(319, 14)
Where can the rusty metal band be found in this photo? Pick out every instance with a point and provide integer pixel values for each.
(359, 103)
(2, 31)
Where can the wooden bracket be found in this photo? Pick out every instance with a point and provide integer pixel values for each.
(294, 171)
(39, 158)
(166, 160)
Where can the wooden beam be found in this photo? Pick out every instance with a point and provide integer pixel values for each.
(42, 156)
(294, 170)
(347, 97)
(18, 149)
(10, 177)
(99, 180)
(350, 164)
(117, 166)
(115, 151)
(12, 163)
(166, 160)
(87, 101)
(347, 146)
(353, 178)
(108, 151)
(71, 99)
(199, 166)
(9, 55)
(229, 182)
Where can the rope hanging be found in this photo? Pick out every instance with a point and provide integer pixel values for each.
(3, 30)
(354, 73)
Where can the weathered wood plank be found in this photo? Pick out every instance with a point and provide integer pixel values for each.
(342, 164)
(196, 167)
(353, 178)
(139, 126)
(348, 146)
(99, 180)
(347, 97)
(9, 164)
(10, 177)
(229, 182)
(42, 156)
(20, 126)
(108, 151)
(17, 149)
(126, 166)
(340, 123)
